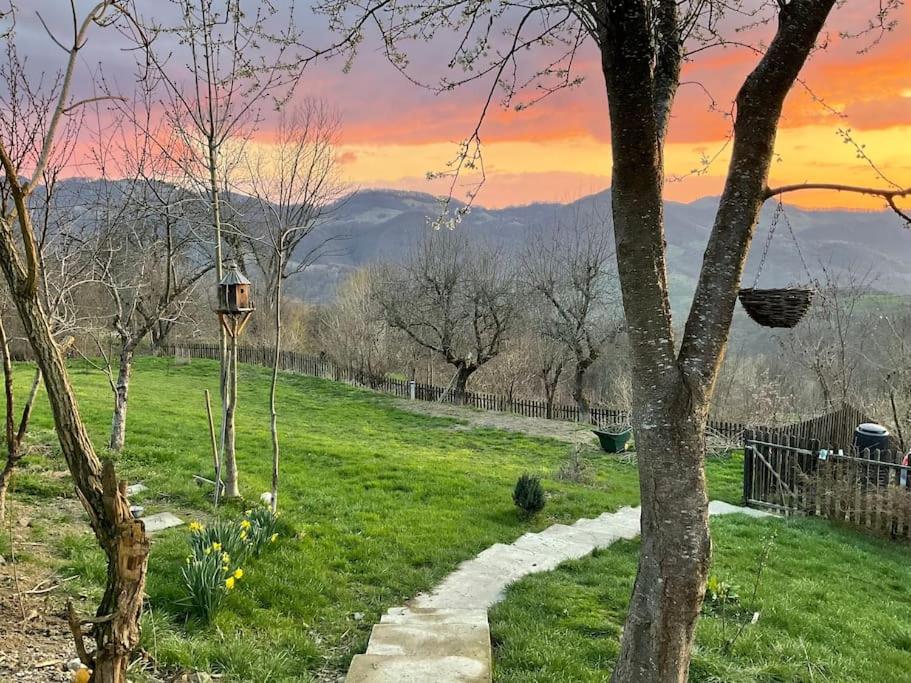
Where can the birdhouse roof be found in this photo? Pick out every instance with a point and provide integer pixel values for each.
(233, 276)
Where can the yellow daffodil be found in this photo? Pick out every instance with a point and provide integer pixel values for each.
(225, 558)
(196, 527)
(273, 537)
(243, 535)
(229, 583)
(245, 524)
(208, 551)
(216, 546)
(238, 573)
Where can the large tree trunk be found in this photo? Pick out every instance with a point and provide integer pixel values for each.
(658, 635)
(459, 387)
(121, 397)
(672, 391)
(122, 538)
(675, 551)
(578, 391)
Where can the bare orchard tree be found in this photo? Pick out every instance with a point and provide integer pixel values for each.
(214, 70)
(148, 265)
(123, 539)
(294, 182)
(293, 191)
(453, 297)
(642, 45)
(572, 272)
(352, 328)
(831, 341)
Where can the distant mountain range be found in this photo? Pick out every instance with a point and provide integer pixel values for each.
(382, 225)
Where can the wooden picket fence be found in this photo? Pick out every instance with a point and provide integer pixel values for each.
(319, 365)
(867, 489)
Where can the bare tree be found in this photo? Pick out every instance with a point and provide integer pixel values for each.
(216, 68)
(123, 539)
(643, 45)
(454, 298)
(571, 271)
(145, 255)
(293, 191)
(352, 328)
(830, 342)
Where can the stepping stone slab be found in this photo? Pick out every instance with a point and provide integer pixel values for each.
(404, 669)
(719, 507)
(418, 615)
(431, 640)
(478, 588)
(161, 521)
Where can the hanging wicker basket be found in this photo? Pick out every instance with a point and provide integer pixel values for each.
(777, 307)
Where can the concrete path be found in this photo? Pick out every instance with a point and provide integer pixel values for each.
(444, 637)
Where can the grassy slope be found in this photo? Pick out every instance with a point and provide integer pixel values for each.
(382, 504)
(833, 607)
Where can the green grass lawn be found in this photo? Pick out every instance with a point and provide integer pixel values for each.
(379, 504)
(833, 606)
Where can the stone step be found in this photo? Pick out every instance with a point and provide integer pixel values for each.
(431, 640)
(405, 669)
(472, 587)
(433, 615)
(620, 528)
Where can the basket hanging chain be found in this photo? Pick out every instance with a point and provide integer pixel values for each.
(780, 214)
(803, 261)
(768, 242)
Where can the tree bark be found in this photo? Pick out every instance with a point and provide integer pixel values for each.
(121, 397)
(459, 388)
(578, 390)
(672, 391)
(122, 538)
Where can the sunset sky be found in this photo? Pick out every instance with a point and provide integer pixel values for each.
(394, 133)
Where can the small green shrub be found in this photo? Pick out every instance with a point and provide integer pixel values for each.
(529, 495)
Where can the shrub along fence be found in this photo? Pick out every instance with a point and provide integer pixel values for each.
(867, 489)
(319, 365)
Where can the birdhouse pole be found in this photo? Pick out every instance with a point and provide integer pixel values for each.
(235, 308)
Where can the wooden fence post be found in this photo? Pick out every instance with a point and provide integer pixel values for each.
(747, 469)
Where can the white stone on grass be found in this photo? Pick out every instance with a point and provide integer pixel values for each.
(161, 521)
(133, 489)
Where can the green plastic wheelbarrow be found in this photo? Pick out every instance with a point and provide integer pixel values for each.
(613, 442)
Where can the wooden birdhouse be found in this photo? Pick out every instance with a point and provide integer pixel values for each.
(235, 293)
(235, 301)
